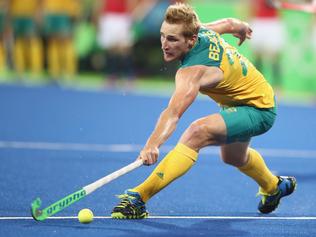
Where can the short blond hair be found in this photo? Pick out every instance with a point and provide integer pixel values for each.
(181, 13)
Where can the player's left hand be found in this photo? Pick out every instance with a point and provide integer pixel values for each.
(243, 32)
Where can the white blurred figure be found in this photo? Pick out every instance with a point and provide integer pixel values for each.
(115, 37)
(314, 35)
(267, 40)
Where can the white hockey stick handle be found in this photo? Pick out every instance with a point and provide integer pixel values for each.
(106, 179)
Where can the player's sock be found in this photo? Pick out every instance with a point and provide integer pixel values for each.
(2, 57)
(69, 57)
(19, 54)
(53, 59)
(257, 169)
(36, 55)
(176, 163)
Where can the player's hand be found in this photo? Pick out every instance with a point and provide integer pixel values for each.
(149, 155)
(242, 31)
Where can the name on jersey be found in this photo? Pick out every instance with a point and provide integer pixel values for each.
(214, 49)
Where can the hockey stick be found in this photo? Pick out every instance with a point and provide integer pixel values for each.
(52, 209)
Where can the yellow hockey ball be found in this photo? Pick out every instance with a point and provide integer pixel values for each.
(85, 216)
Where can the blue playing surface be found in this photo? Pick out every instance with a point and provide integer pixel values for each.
(54, 141)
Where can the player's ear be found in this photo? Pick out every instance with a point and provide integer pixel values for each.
(192, 40)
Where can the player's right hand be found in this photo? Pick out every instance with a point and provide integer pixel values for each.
(149, 155)
(242, 31)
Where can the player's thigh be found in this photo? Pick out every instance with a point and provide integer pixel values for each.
(209, 130)
(244, 122)
(235, 153)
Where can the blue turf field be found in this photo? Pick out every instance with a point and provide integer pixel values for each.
(53, 141)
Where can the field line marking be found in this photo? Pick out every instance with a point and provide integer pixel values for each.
(269, 152)
(178, 217)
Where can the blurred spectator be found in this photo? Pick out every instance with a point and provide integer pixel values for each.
(149, 16)
(28, 49)
(148, 20)
(85, 35)
(314, 23)
(3, 8)
(59, 16)
(116, 38)
(267, 40)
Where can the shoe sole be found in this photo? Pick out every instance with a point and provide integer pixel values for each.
(119, 215)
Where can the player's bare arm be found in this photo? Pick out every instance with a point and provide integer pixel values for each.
(236, 27)
(188, 83)
(186, 89)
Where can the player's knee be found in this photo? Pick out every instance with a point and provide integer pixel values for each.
(236, 159)
(196, 135)
(227, 159)
(196, 130)
(203, 132)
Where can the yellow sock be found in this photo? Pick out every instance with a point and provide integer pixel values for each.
(36, 56)
(53, 59)
(176, 163)
(69, 57)
(19, 55)
(257, 169)
(2, 57)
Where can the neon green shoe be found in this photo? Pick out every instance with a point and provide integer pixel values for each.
(269, 203)
(130, 207)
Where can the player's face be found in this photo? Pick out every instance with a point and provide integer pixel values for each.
(174, 45)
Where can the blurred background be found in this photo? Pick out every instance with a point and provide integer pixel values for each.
(115, 44)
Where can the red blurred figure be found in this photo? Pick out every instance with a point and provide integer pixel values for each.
(115, 37)
(267, 40)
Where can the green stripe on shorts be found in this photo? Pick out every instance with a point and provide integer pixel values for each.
(244, 122)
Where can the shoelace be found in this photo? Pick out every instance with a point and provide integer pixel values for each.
(125, 199)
